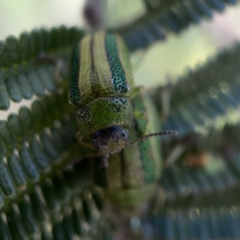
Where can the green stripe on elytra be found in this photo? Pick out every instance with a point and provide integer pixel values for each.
(118, 74)
(147, 160)
(74, 90)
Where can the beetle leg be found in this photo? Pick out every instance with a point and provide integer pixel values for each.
(83, 142)
(86, 144)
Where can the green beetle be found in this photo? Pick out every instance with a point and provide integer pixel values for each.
(114, 114)
(101, 88)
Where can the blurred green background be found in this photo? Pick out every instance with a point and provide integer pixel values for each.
(170, 58)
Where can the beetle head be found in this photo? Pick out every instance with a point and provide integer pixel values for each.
(111, 139)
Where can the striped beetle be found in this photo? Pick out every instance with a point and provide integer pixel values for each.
(101, 88)
(117, 116)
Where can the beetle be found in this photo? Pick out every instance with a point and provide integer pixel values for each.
(102, 90)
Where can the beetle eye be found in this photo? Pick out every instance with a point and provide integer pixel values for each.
(124, 135)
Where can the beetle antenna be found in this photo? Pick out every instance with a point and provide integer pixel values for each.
(106, 156)
(161, 133)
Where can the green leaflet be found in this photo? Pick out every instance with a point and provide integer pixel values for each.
(32, 203)
(33, 146)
